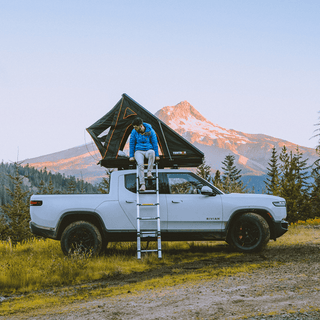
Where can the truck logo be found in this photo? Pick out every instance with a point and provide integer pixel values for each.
(181, 153)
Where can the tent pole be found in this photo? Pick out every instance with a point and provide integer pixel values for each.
(165, 140)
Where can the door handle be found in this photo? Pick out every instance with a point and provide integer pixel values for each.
(176, 201)
(127, 201)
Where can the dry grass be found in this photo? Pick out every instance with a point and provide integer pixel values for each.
(39, 264)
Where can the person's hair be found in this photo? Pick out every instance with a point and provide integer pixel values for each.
(137, 122)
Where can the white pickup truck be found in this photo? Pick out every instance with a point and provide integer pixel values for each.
(191, 209)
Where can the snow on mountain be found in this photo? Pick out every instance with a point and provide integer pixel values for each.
(252, 151)
(188, 122)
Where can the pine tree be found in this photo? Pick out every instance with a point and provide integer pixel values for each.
(71, 186)
(294, 186)
(50, 186)
(82, 187)
(315, 192)
(317, 131)
(217, 180)
(42, 189)
(273, 180)
(231, 179)
(204, 171)
(14, 223)
(104, 185)
(288, 188)
(2, 188)
(302, 185)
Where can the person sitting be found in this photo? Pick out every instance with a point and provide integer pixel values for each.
(143, 144)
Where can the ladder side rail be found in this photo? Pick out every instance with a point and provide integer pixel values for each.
(138, 216)
(158, 214)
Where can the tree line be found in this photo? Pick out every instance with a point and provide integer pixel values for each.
(39, 181)
(17, 184)
(288, 176)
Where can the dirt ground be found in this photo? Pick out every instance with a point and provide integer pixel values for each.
(290, 290)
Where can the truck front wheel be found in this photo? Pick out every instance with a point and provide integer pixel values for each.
(81, 237)
(249, 233)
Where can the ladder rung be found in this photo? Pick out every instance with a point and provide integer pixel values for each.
(150, 250)
(148, 191)
(149, 231)
(148, 235)
(148, 218)
(147, 204)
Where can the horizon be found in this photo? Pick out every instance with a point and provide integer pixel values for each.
(95, 149)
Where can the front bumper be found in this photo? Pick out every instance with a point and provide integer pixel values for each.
(280, 228)
(45, 232)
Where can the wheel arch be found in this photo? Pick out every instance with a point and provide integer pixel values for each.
(261, 212)
(74, 216)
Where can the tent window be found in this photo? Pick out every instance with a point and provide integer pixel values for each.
(104, 133)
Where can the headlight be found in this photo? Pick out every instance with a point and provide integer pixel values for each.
(279, 203)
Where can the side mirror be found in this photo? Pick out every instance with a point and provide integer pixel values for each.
(207, 191)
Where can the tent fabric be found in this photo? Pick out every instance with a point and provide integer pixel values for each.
(111, 132)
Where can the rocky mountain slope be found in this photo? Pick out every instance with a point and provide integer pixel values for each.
(252, 151)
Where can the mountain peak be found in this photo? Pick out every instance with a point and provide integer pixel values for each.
(188, 122)
(182, 111)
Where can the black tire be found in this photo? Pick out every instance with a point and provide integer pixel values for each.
(249, 233)
(81, 237)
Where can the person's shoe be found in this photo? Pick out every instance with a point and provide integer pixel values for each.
(149, 175)
(142, 187)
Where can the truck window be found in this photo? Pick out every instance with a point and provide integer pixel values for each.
(184, 183)
(130, 183)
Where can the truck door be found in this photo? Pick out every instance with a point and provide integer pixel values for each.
(128, 201)
(188, 209)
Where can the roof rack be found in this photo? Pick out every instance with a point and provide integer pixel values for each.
(123, 163)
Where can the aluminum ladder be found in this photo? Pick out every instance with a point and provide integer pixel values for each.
(155, 232)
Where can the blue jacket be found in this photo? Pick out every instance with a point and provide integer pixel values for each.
(144, 142)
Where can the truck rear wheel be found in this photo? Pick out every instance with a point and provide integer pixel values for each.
(81, 237)
(249, 233)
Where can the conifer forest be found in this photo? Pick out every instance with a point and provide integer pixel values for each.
(17, 184)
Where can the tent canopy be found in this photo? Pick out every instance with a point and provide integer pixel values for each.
(111, 132)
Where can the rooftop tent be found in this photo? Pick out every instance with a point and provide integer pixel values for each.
(111, 132)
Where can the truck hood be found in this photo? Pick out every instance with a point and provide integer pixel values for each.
(253, 196)
(238, 201)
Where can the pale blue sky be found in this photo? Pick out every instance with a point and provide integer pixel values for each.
(252, 66)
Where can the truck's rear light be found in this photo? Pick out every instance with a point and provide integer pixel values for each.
(35, 203)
